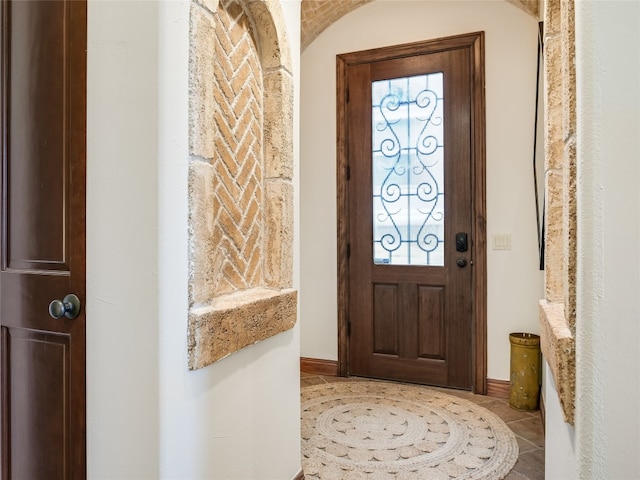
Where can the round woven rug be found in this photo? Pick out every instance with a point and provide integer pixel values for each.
(366, 430)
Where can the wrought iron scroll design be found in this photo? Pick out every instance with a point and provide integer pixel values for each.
(408, 193)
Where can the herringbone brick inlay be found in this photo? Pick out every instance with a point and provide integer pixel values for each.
(237, 205)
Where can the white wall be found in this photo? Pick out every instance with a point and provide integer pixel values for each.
(514, 281)
(148, 416)
(559, 441)
(122, 240)
(607, 430)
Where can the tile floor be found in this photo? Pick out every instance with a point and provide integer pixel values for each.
(527, 427)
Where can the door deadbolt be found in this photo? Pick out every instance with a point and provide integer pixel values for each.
(462, 242)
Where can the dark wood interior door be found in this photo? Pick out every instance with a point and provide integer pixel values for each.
(43, 239)
(409, 120)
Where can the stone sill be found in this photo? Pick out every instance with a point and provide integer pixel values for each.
(235, 321)
(558, 347)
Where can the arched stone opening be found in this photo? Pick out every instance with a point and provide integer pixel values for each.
(240, 178)
(317, 15)
(558, 308)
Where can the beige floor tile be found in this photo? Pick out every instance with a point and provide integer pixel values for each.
(531, 465)
(529, 429)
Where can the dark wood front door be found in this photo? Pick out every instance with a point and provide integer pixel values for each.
(43, 239)
(414, 210)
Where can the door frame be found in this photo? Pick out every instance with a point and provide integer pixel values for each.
(474, 42)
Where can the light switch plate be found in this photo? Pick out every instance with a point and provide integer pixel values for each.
(502, 241)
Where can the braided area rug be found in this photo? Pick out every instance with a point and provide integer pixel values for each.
(370, 430)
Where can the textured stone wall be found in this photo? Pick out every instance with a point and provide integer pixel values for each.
(558, 309)
(317, 15)
(240, 171)
(530, 6)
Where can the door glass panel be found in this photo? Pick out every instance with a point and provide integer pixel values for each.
(408, 170)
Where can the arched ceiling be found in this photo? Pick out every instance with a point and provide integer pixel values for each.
(317, 15)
